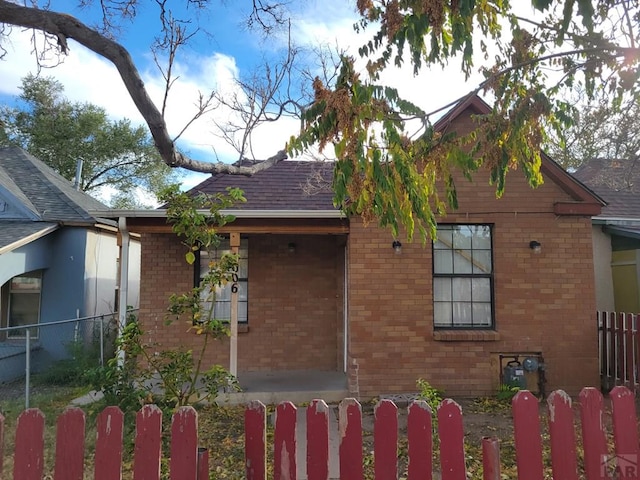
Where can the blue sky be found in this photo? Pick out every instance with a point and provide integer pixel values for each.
(212, 63)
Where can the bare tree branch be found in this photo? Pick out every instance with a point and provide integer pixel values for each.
(281, 89)
(64, 27)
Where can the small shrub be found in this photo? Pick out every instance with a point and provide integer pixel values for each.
(506, 393)
(429, 394)
(71, 370)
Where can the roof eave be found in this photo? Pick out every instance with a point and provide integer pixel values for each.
(28, 239)
(571, 185)
(238, 213)
(621, 231)
(603, 220)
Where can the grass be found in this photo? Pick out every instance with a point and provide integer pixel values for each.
(51, 400)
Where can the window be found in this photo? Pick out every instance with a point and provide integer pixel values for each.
(24, 303)
(222, 307)
(463, 277)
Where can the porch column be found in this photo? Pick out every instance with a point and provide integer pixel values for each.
(234, 241)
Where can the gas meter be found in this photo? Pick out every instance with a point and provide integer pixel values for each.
(513, 375)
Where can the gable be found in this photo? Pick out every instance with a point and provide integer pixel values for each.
(10, 209)
(566, 194)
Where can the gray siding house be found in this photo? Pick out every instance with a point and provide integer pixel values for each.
(57, 261)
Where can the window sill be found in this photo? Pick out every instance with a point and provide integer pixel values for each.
(466, 336)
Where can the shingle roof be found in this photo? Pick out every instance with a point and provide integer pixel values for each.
(12, 232)
(617, 182)
(48, 198)
(288, 185)
(304, 185)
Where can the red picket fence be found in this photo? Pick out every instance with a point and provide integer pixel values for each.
(619, 345)
(599, 463)
(188, 462)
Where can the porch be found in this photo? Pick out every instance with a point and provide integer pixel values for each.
(296, 386)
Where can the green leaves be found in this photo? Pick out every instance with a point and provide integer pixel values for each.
(394, 169)
(196, 218)
(433, 31)
(381, 173)
(541, 4)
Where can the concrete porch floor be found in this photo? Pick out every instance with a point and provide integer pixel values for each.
(296, 386)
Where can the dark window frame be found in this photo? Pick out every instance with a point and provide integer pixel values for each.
(490, 276)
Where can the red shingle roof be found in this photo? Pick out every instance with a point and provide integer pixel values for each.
(304, 185)
(288, 185)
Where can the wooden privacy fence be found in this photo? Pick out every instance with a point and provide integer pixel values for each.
(619, 346)
(187, 462)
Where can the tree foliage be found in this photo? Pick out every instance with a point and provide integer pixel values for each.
(390, 161)
(386, 173)
(599, 130)
(114, 154)
(180, 374)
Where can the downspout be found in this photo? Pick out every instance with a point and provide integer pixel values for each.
(124, 281)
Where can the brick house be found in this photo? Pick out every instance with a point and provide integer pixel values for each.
(321, 292)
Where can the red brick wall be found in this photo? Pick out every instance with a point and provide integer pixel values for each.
(543, 302)
(295, 301)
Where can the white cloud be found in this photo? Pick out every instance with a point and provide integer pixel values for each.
(85, 76)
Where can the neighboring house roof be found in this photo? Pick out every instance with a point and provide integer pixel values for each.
(34, 200)
(618, 182)
(45, 193)
(288, 185)
(16, 234)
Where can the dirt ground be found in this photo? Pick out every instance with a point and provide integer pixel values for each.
(481, 418)
(482, 422)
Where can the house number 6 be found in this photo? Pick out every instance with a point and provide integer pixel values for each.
(234, 279)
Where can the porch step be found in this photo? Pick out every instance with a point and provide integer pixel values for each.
(273, 398)
(296, 386)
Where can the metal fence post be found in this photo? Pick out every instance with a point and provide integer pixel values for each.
(102, 341)
(27, 377)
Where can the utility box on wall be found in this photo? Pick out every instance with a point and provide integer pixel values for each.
(513, 375)
(522, 370)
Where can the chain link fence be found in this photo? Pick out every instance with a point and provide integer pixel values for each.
(54, 353)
